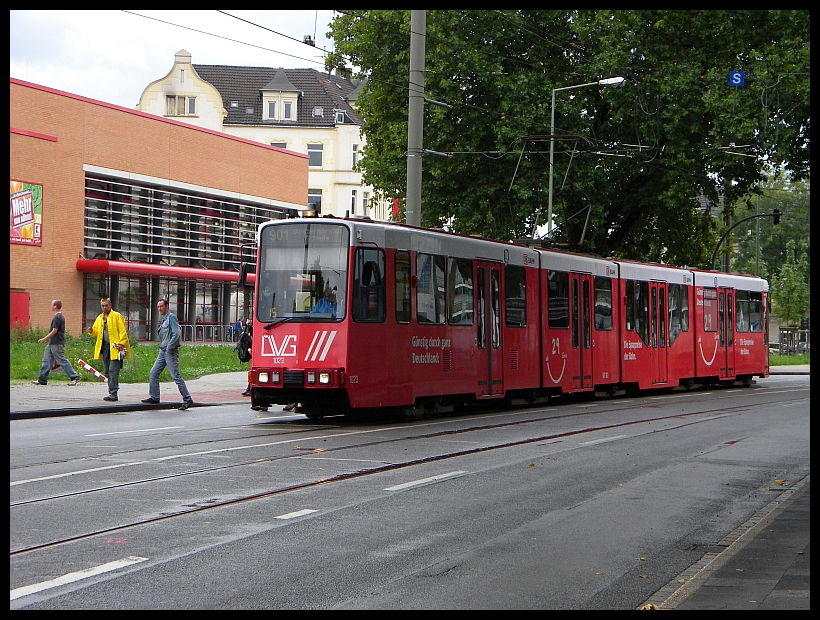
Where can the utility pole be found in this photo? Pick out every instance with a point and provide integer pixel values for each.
(415, 119)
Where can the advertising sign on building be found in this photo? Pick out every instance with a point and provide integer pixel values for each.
(26, 213)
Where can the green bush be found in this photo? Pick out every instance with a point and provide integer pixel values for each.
(195, 360)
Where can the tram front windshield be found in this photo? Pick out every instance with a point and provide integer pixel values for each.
(303, 272)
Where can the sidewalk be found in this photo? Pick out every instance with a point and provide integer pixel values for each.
(766, 562)
(58, 398)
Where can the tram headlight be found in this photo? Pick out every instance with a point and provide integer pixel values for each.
(263, 376)
(324, 378)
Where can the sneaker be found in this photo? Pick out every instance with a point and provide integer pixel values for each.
(111, 398)
(246, 393)
(74, 381)
(184, 406)
(151, 401)
(37, 383)
(289, 407)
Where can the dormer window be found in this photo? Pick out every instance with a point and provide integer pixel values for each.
(318, 112)
(340, 116)
(288, 110)
(271, 110)
(234, 104)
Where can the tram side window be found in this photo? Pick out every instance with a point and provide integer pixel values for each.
(460, 291)
(710, 310)
(558, 300)
(515, 294)
(630, 305)
(368, 295)
(603, 303)
(741, 311)
(430, 292)
(756, 312)
(642, 310)
(402, 287)
(676, 316)
(684, 307)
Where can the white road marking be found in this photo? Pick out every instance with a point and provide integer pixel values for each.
(430, 480)
(604, 440)
(141, 430)
(72, 577)
(298, 513)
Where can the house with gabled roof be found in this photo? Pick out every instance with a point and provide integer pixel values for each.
(302, 110)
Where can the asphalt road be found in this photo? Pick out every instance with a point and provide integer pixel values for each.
(585, 504)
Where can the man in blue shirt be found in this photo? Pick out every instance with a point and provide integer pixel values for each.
(170, 335)
(326, 304)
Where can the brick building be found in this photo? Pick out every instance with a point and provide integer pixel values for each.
(107, 201)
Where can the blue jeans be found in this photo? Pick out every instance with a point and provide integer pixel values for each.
(171, 360)
(55, 353)
(111, 369)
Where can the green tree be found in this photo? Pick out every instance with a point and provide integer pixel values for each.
(629, 162)
(791, 299)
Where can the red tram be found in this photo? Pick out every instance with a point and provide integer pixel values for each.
(353, 314)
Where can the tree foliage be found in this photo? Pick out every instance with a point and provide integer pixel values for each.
(630, 162)
(791, 297)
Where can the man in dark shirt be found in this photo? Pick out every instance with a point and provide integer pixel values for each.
(55, 349)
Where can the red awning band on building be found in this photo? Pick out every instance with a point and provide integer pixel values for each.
(164, 271)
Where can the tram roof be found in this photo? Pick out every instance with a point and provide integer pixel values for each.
(730, 280)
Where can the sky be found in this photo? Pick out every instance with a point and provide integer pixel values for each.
(112, 56)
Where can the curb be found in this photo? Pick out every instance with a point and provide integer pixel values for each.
(684, 584)
(56, 413)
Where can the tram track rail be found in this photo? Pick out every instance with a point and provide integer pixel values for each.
(686, 418)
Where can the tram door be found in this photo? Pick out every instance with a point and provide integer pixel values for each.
(488, 329)
(581, 330)
(726, 333)
(658, 339)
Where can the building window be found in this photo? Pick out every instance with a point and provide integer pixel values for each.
(352, 202)
(340, 116)
(279, 145)
(314, 152)
(318, 112)
(271, 110)
(288, 107)
(180, 105)
(182, 75)
(365, 201)
(355, 155)
(315, 200)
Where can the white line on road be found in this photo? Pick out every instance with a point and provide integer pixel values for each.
(72, 577)
(141, 430)
(430, 480)
(604, 440)
(298, 513)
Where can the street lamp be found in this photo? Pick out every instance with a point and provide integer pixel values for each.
(613, 81)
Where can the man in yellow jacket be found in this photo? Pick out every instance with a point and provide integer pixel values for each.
(112, 345)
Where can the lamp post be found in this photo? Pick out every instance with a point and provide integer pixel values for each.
(613, 81)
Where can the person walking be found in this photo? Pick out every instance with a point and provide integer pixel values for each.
(55, 349)
(112, 346)
(170, 336)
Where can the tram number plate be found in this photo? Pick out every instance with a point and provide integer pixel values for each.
(353, 378)
(278, 360)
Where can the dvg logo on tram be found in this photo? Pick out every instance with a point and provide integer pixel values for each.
(318, 350)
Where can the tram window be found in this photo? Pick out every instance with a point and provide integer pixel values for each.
(368, 294)
(742, 311)
(642, 310)
(630, 305)
(460, 291)
(515, 296)
(674, 312)
(755, 312)
(730, 310)
(558, 300)
(710, 310)
(430, 292)
(496, 309)
(603, 303)
(684, 307)
(402, 272)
